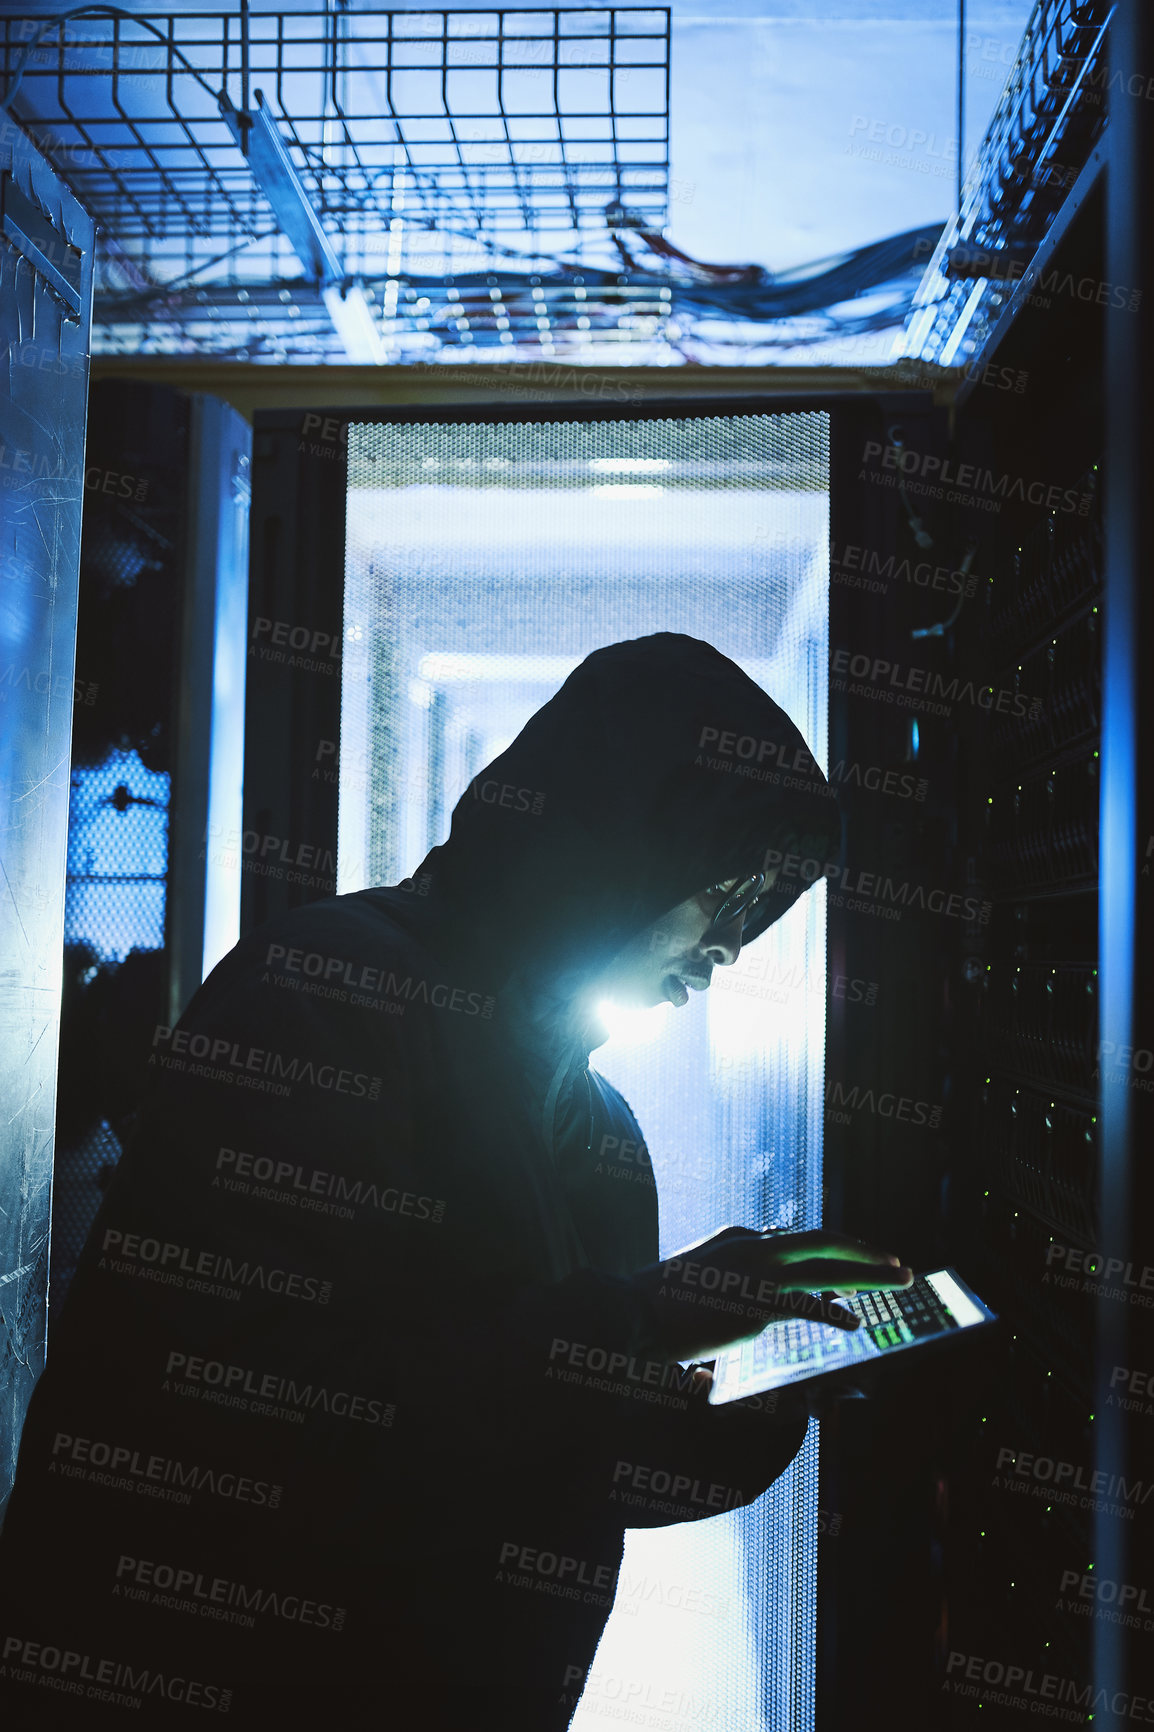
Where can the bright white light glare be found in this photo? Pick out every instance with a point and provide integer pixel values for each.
(226, 750)
(896, 351)
(951, 1296)
(643, 1642)
(462, 669)
(627, 465)
(773, 1012)
(627, 489)
(919, 329)
(951, 348)
(626, 1023)
(355, 325)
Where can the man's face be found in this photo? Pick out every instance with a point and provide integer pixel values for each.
(678, 953)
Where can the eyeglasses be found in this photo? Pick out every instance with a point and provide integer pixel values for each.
(739, 900)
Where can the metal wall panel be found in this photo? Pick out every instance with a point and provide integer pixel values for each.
(46, 249)
(208, 768)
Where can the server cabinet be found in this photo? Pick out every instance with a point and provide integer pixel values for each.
(157, 749)
(46, 249)
(1011, 1574)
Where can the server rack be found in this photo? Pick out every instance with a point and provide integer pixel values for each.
(1013, 1569)
(156, 763)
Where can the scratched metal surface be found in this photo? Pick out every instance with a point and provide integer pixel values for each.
(46, 246)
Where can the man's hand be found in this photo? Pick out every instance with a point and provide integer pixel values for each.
(728, 1287)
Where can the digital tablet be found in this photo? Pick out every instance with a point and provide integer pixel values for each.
(935, 1308)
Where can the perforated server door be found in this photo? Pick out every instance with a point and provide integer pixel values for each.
(483, 562)
(470, 562)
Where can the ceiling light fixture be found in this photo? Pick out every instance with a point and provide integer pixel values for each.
(266, 153)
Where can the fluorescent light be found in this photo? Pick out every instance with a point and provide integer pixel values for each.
(355, 326)
(275, 173)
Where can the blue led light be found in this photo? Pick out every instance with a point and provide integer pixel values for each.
(117, 857)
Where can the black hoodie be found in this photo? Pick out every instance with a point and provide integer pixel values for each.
(353, 1396)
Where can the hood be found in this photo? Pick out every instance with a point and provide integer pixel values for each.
(657, 768)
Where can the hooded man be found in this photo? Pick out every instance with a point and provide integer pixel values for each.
(322, 1438)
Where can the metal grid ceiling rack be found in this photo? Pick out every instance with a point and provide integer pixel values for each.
(1043, 132)
(427, 144)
